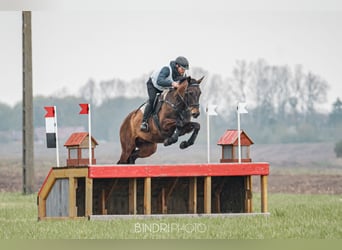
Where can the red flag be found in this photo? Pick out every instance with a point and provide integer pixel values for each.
(84, 108)
(50, 111)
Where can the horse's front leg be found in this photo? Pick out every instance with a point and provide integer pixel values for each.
(192, 126)
(173, 138)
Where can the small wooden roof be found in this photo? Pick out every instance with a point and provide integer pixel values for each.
(78, 139)
(230, 137)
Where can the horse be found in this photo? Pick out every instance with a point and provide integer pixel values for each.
(171, 119)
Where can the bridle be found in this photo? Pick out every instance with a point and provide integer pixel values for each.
(183, 101)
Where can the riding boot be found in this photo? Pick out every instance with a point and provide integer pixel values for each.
(147, 113)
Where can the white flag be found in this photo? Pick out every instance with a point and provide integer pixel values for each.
(211, 109)
(241, 108)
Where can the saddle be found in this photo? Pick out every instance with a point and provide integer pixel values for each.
(157, 104)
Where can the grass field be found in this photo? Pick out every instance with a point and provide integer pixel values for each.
(292, 217)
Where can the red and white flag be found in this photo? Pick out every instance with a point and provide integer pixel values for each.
(50, 126)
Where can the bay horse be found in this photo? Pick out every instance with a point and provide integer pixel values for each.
(176, 107)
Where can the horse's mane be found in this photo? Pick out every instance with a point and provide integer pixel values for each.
(184, 78)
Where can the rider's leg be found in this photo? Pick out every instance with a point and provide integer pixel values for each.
(152, 91)
(147, 113)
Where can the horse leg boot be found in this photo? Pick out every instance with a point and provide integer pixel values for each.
(173, 138)
(147, 113)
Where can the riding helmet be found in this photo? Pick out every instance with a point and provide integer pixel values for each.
(183, 62)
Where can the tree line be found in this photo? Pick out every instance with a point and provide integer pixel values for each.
(284, 104)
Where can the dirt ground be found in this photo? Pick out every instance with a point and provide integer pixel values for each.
(295, 168)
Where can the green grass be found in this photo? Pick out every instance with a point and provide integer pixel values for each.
(292, 217)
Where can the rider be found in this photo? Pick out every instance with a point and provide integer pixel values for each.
(161, 79)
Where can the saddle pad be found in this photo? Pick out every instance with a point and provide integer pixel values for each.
(162, 96)
(142, 108)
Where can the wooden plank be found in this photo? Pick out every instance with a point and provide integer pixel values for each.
(193, 195)
(171, 188)
(70, 172)
(44, 182)
(72, 197)
(115, 183)
(217, 203)
(207, 195)
(103, 202)
(218, 192)
(57, 201)
(147, 195)
(264, 187)
(164, 216)
(179, 170)
(88, 196)
(163, 201)
(47, 185)
(248, 195)
(132, 196)
(41, 208)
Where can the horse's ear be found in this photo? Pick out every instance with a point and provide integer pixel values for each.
(200, 80)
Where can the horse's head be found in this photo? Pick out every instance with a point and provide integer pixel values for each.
(192, 94)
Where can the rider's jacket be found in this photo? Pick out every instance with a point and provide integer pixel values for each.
(162, 78)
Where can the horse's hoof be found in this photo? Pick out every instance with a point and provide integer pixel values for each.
(183, 145)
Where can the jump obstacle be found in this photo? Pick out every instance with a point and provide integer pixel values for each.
(149, 190)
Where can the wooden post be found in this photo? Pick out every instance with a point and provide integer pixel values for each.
(27, 107)
(207, 194)
(147, 195)
(217, 208)
(72, 197)
(263, 180)
(88, 196)
(132, 196)
(193, 195)
(103, 202)
(249, 195)
(163, 199)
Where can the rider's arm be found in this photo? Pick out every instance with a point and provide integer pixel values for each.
(162, 78)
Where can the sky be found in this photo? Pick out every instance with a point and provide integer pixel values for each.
(73, 41)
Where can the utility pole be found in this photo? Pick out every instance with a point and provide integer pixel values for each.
(28, 134)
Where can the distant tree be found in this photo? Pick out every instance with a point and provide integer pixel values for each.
(336, 115)
(338, 149)
(89, 92)
(240, 80)
(5, 117)
(315, 91)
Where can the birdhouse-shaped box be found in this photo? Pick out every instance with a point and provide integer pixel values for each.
(229, 143)
(78, 149)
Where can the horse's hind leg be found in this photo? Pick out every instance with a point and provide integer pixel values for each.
(128, 148)
(191, 126)
(143, 150)
(147, 149)
(124, 158)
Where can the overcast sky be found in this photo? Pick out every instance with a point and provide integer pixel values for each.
(72, 44)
